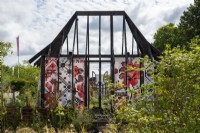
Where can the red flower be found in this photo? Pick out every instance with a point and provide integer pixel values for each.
(75, 71)
(132, 76)
(80, 94)
(80, 87)
(122, 69)
(80, 78)
(115, 70)
(122, 76)
(80, 90)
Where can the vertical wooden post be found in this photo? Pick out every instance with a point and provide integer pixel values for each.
(99, 61)
(43, 75)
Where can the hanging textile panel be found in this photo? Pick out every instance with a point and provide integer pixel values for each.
(65, 81)
(148, 79)
(133, 76)
(147, 73)
(78, 79)
(119, 77)
(133, 79)
(51, 79)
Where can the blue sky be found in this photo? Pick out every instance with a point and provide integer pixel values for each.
(37, 22)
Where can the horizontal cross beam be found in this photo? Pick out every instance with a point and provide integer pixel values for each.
(99, 13)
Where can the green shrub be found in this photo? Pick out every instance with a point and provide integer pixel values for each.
(18, 84)
(176, 103)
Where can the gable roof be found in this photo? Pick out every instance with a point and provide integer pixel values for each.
(54, 48)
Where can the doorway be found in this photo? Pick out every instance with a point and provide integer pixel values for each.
(97, 87)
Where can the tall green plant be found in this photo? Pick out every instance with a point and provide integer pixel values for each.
(5, 48)
(82, 120)
(176, 103)
(178, 90)
(2, 119)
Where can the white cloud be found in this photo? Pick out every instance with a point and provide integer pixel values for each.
(37, 22)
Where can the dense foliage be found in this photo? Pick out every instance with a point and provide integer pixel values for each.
(26, 84)
(190, 21)
(168, 34)
(182, 34)
(5, 48)
(176, 103)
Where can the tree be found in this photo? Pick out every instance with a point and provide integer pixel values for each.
(6, 77)
(5, 48)
(190, 21)
(188, 29)
(176, 105)
(26, 84)
(167, 34)
(28, 72)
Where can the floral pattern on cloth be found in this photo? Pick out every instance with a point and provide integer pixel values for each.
(132, 76)
(51, 79)
(132, 80)
(78, 74)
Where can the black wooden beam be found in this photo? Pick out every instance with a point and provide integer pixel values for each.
(112, 58)
(140, 39)
(99, 61)
(126, 58)
(73, 86)
(123, 35)
(88, 65)
(86, 88)
(145, 47)
(132, 45)
(96, 56)
(42, 80)
(77, 38)
(75, 31)
(67, 45)
(38, 62)
(111, 48)
(99, 13)
(43, 51)
(56, 44)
